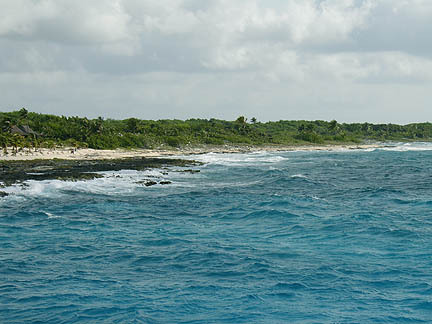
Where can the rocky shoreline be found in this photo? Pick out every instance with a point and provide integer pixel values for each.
(16, 172)
(85, 164)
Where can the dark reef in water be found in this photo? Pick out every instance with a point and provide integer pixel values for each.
(12, 172)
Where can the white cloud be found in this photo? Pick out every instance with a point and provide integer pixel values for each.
(383, 67)
(102, 23)
(256, 48)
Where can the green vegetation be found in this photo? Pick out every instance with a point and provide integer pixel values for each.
(49, 131)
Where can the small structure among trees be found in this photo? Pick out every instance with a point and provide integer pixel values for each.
(24, 130)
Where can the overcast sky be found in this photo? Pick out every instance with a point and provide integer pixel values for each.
(349, 60)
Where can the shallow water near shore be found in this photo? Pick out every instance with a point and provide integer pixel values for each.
(280, 237)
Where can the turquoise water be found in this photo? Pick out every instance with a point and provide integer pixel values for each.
(283, 237)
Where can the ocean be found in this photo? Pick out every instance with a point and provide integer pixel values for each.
(281, 237)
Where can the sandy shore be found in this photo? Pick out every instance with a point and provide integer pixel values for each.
(92, 154)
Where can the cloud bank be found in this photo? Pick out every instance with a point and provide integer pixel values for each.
(350, 60)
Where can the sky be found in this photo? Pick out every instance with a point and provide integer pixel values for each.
(349, 60)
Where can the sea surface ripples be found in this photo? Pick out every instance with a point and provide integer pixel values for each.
(282, 237)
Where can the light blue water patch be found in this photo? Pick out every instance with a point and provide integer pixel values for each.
(283, 237)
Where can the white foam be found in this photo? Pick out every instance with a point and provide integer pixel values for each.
(33, 188)
(318, 198)
(123, 182)
(50, 215)
(299, 176)
(404, 147)
(240, 158)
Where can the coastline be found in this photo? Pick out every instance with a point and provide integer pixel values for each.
(83, 154)
(70, 164)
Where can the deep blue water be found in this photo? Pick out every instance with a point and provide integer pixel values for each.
(284, 237)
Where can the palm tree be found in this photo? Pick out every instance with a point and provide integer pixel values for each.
(16, 141)
(241, 120)
(333, 126)
(4, 141)
(241, 123)
(23, 113)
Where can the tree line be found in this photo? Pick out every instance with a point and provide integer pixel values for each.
(50, 131)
